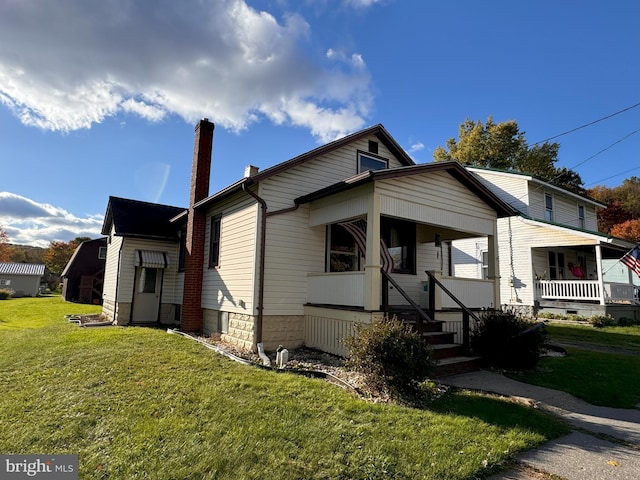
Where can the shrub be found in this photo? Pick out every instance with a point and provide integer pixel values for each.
(628, 322)
(393, 358)
(600, 321)
(507, 340)
(5, 294)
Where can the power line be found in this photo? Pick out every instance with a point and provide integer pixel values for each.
(606, 148)
(613, 176)
(587, 124)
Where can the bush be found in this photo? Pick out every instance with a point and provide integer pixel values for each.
(5, 294)
(507, 340)
(394, 359)
(628, 322)
(600, 321)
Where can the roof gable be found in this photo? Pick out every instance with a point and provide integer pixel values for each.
(133, 218)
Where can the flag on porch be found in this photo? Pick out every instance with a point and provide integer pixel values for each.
(632, 259)
(358, 230)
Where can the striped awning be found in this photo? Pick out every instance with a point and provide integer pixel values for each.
(150, 259)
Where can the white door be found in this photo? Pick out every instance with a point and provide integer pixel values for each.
(146, 300)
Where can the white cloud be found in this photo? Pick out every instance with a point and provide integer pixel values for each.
(31, 223)
(69, 64)
(416, 147)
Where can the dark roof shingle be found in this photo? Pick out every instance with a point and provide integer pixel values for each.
(133, 218)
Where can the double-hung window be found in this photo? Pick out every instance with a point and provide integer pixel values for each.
(214, 241)
(548, 207)
(581, 216)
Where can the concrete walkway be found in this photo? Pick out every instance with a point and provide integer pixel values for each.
(605, 442)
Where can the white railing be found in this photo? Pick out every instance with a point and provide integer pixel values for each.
(340, 288)
(619, 291)
(568, 289)
(473, 293)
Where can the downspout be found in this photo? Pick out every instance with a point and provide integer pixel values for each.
(261, 267)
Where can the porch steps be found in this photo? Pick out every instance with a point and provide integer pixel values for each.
(448, 355)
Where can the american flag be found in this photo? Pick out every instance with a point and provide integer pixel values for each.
(632, 259)
(358, 230)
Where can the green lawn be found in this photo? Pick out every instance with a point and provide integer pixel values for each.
(600, 378)
(139, 403)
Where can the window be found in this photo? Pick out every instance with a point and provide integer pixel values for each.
(5, 282)
(373, 146)
(369, 162)
(548, 207)
(343, 255)
(214, 241)
(484, 267)
(400, 238)
(556, 265)
(102, 253)
(581, 216)
(148, 278)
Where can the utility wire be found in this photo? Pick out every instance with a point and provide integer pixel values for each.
(606, 148)
(587, 124)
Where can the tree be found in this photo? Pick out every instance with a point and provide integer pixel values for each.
(629, 230)
(503, 146)
(58, 254)
(5, 248)
(613, 214)
(629, 195)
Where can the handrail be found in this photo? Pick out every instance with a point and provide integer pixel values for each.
(466, 313)
(404, 294)
(451, 295)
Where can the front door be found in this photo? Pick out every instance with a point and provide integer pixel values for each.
(146, 300)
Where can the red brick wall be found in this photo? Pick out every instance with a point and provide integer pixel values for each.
(192, 316)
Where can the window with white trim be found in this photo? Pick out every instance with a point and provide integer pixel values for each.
(548, 207)
(214, 241)
(102, 253)
(581, 222)
(484, 266)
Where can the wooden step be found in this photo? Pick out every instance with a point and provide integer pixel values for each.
(446, 350)
(455, 366)
(437, 338)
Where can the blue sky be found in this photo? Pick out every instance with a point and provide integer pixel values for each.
(100, 98)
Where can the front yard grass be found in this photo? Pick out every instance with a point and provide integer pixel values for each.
(598, 377)
(139, 403)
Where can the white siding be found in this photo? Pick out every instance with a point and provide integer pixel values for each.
(447, 202)
(127, 268)
(111, 267)
(231, 285)
(467, 258)
(512, 189)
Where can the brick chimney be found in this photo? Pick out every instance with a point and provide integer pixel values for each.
(192, 315)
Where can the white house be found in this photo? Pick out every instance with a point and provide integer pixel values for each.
(297, 253)
(551, 255)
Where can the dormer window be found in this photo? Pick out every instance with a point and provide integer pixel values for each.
(370, 162)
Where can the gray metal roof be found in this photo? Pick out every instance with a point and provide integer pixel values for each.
(22, 269)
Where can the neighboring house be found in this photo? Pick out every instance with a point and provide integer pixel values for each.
(299, 252)
(83, 275)
(551, 255)
(22, 278)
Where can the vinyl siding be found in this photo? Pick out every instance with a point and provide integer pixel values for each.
(512, 189)
(447, 202)
(232, 283)
(111, 267)
(466, 253)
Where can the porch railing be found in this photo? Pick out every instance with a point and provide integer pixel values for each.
(583, 290)
(340, 288)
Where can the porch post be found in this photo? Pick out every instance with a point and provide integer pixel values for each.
(372, 275)
(600, 275)
(494, 266)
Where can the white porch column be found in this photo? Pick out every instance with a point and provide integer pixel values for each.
(372, 276)
(600, 275)
(494, 266)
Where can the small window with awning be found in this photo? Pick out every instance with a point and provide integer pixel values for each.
(150, 259)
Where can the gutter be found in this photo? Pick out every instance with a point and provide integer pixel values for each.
(263, 243)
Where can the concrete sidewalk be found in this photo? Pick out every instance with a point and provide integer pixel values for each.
(613, 454)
